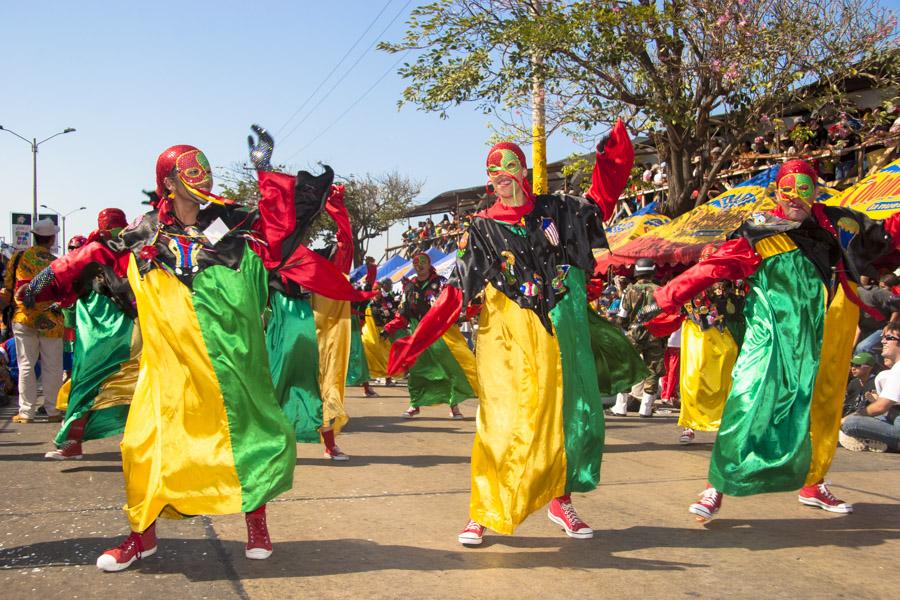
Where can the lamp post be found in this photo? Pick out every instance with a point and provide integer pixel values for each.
(34, 148)
(62, 218)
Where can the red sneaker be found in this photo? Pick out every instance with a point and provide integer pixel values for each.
(709, 505)
(687, 436)
(70, 450)
(563, 514)
(259, 546)
(455, 413)
(335, 453)
(410, 412)
(819, 495)
(472, 535)
(135, 547)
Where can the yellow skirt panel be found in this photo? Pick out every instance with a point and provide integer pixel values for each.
(831, 383)
(376, 348)
(333, 334)
(518, 459)
(118, 388)
(707, 358)
(176, 451)
(460, 350)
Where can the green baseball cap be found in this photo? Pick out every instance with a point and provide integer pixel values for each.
(863, 358)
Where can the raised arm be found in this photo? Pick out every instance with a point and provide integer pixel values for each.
(612, 168)
(60, 280)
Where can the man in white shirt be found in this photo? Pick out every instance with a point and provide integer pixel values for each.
(876, 426)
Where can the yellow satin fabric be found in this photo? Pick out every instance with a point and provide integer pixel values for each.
(333, 334)
(460, 350)
(118, 388)
(707, 358)
(831, 382)
(776, 244)
(176, 451)
(518, 458)
(62, 398)
(376, 348)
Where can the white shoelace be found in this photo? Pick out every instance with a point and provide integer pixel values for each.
(571, 515)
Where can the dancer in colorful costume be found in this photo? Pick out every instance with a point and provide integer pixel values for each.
(445, 373)
(711, 335)
(780, 424)
(107, 349)
(205, 433)
(309, 343)
(378, 313)
(540, 427)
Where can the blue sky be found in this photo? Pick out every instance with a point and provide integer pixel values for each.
(134, 78)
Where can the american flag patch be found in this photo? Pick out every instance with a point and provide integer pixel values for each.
(550, 231)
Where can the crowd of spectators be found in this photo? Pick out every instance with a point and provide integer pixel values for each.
(442, 235)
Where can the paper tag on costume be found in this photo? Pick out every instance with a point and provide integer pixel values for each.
(216, 231)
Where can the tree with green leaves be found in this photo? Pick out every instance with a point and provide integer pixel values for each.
(690, 74)
(374, 203)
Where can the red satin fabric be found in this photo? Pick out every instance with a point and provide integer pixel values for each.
(397, 323)
(892, 227)
(334, 206)
(735, 259)
(320, 276)
(277, 214)
(371, 275)
(611, 170)
(665, 324)
(67, 269)
(508, 214)
(441, 317)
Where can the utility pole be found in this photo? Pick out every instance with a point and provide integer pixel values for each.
(539, 179)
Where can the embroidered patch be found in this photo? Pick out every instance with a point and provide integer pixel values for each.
(550, 231)
(847, 229)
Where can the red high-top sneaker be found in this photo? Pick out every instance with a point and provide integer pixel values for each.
(259, 546)
(819, 495)
(563, 514)
(135, 547)
(709, 505)
(472, 534)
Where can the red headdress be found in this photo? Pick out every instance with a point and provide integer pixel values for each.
(111, 218)
(795, 166)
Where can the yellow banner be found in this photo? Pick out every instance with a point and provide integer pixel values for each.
(877, 196)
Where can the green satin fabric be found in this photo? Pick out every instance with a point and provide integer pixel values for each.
(763, 443)
(358, 368)
(583, 422)
(102, 345)
(437, 378)
(294, 360)
(229, 306)
(618, 366)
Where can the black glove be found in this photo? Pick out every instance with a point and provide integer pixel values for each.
(601, 145)
(261, 152)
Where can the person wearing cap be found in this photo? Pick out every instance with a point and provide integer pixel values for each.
(652, 349)
(540, 427)
(862, 382)
(107, 348)
(38, 329)
(802, 260)
(205, 434)
(875, 426)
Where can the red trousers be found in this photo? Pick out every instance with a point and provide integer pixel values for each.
(669, 388)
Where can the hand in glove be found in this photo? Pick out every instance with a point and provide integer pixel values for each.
(261, 152)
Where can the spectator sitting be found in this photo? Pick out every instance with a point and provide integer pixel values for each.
(882, 300)
(876, 426)
(862, 383)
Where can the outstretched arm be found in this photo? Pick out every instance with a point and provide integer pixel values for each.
(439, 318)
(612, 167)
(735, 259)
(59, 281)
(337, 210)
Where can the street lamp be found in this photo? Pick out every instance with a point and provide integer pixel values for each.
(62, 218)
(34, 148)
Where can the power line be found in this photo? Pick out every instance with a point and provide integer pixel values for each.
(344, 76)
(349, 108)
(333, 70)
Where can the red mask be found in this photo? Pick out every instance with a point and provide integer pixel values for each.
(189, 163)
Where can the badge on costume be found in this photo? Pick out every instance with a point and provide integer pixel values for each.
(550, 231)
(847, 229)
(216, 231)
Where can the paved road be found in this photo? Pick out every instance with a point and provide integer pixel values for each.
(384, 525)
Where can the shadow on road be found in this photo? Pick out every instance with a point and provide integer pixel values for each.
(99, 456)
(196, 559)
(413, 460)
(400, 425)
